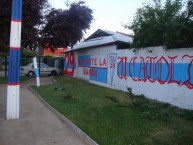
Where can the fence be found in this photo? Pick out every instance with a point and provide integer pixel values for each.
(57, 62)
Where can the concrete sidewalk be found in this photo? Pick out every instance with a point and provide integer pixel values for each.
(37, 125)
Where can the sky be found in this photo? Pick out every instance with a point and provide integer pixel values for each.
(108, 14)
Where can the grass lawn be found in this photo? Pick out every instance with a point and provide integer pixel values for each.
(113, 117)
(3, 80)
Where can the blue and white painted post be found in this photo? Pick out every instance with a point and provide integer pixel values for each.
(13, 88)
(36, 71)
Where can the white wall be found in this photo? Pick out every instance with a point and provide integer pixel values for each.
(164, 75)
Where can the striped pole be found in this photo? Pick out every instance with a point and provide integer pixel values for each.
(13, 88)
(36, 71)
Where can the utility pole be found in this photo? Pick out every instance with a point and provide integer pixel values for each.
(13, 88)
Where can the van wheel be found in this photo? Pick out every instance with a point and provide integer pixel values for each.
(53, 73)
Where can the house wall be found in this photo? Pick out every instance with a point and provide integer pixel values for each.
(164, 75)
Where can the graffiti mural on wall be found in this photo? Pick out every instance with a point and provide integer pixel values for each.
(69, 64)
(94, 66)
(161, 69)
(112, 63)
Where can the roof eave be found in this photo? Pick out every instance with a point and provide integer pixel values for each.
(100, 45)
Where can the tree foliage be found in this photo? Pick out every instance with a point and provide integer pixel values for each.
(32, 16)
(5, 17)
(66, 27)
(59, 28)
(32, 19)
(27, 54)
(169, 25)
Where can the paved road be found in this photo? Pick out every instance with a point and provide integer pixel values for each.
(37, 124)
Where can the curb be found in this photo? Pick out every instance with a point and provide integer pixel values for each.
(72, 126)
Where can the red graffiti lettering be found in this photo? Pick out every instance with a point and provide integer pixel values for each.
(104, 62)
(112, 65)
(69, 60)
(152, 69)
(132, 61)
(142, 70)
(151, 61)
(172, 58)
(187, 82)
(90, 72)
(94, 62)
(122, 64)
(158, 70)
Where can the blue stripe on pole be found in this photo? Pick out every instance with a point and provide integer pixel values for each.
(14, 69)
(16, 10)
(37, 72)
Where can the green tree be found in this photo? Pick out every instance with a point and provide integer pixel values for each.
(170, 25)
(5, 17)
(65, 27)
(32, 17)
(59, 28)
(27, 54)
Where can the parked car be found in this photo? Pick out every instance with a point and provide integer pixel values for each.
(44, 70)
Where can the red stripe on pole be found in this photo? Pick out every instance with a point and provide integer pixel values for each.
(15, 20)
(15, 48)
(14, 84)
